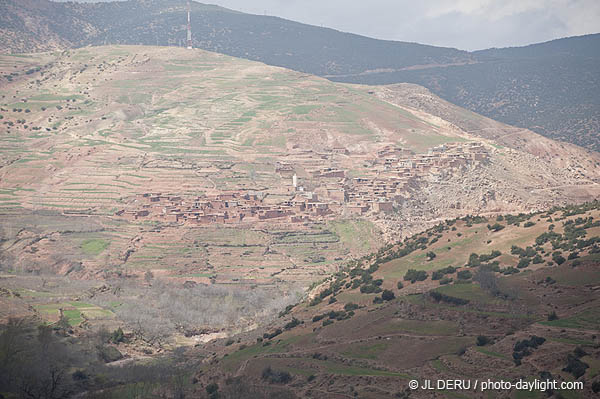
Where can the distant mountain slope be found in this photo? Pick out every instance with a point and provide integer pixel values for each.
(551, 88)
(271, 40)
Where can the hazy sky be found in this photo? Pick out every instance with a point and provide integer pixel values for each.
(465, 24)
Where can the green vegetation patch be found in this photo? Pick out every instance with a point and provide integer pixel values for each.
(588, 319)
(422, 327)
(491, 353)
(470, 292)
(341, 369)
(304, 109)
(369, 351)
(94, 246)
(359, 234)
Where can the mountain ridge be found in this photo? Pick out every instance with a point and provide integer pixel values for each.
(551, 88)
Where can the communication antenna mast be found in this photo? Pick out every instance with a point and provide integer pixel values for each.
(189, 27)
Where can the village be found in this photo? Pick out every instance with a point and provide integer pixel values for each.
(327, 192)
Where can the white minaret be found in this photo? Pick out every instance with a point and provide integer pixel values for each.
(295, 181)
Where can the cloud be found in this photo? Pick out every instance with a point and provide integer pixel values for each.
(466, 24)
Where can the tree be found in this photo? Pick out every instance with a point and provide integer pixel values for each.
(63, 321)
(387, 295)
(117, 336)
(464, 274)
(488, 281)
(33, 368)
(431, 255)
(473, 260)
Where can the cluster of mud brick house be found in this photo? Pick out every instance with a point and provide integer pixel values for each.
(232, 207)
(394, 170)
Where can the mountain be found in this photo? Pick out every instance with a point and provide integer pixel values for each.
(550, 88)
(271, 40)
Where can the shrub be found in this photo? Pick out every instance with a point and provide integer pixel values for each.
(117, 336)
(370, 289)
(318, 317)
(286, 310)
(486, 258)
(292, 324)
(414, 275)
(431, 255)
(445, 281)
(523, 348)
(523, 263)
(464, 275)
(482, 340)
(579, 352)
(276, 377)
(439, 297)
(316, 300)
(575, 366)
(496, 227)
(558, 259)
(212, 388)
(400, 285)
(79, 376)
(387, 295)
(515, 250)
(552, 316)
(273, 334)
(510, 270)
(350, 306)
(473, 260)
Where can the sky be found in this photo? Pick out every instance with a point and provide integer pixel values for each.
(464, 24)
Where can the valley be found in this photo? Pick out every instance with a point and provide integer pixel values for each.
(248, 218)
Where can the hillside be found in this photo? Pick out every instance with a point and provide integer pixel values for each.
(120, 197)
(159, 204)
(550, 88)
(506, 298)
